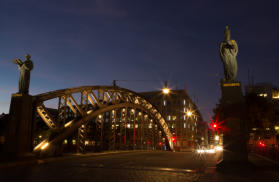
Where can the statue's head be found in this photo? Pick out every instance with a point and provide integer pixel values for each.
(227, 33)
(27, 56)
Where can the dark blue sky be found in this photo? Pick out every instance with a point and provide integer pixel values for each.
(92, 42)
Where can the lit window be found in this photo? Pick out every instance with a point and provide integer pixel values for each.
(128, 125)
(184, 102)
(217, 137)
(169, 118)
(150, 125)
(275, 94)
(262, 94)
(173, 118)
(65, 141)
(136, 126)
(184, 125)
(184, 109)
(165, 102)
(184, 117)
(74, 142)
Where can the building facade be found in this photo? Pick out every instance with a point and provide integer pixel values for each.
(265, 127)
(181, 115)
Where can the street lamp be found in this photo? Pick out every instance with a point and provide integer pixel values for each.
(166, 91)
(189, 113)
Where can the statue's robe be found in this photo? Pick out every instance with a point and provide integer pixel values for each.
(228, 51)
(24, 78)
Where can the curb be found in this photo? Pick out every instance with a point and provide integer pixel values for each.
(265, 158)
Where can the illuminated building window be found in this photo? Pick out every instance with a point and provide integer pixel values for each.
(128, 125)
(184, 125)
(184, 109)
(173, 126)
(150, 125)
(169, 118)
(165, 102)
(275, 94)
(65, 141)
(173, 118)
(184, 102)
(74, 142)
(262, 94)
(184, 117)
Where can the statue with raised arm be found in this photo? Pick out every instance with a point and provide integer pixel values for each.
(25, 69)
(228, 51)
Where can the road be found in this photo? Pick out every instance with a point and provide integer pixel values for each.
(124, 166)
(157, 166)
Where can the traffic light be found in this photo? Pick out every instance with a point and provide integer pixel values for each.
(261, 143)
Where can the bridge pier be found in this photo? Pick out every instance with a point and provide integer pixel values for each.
(19, 132)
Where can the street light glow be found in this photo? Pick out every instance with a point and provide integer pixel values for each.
(189, 113)
(45, 146)
(166, 90)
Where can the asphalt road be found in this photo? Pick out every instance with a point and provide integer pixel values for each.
(136, 166)
(124, 166)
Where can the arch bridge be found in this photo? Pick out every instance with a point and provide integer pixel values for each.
(119, 119)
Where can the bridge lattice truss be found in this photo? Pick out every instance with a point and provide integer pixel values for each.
(132, 119)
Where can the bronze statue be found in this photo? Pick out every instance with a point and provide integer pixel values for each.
(25, 69)
(228, 51)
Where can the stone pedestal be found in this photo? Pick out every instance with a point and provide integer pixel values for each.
(232, 113)
(19, 130)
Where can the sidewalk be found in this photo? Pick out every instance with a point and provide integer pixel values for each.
(264, 170)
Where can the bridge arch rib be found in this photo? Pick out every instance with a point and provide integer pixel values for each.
(94, 101)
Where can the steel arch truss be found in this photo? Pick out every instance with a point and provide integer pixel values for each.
(128, 114)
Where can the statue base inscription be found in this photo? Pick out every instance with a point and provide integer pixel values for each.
(19, 130)
(232, 112)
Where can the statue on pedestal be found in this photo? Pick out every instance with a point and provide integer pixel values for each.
(25, 69)
(228, 51)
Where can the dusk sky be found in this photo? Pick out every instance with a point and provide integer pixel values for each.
(93, 42)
